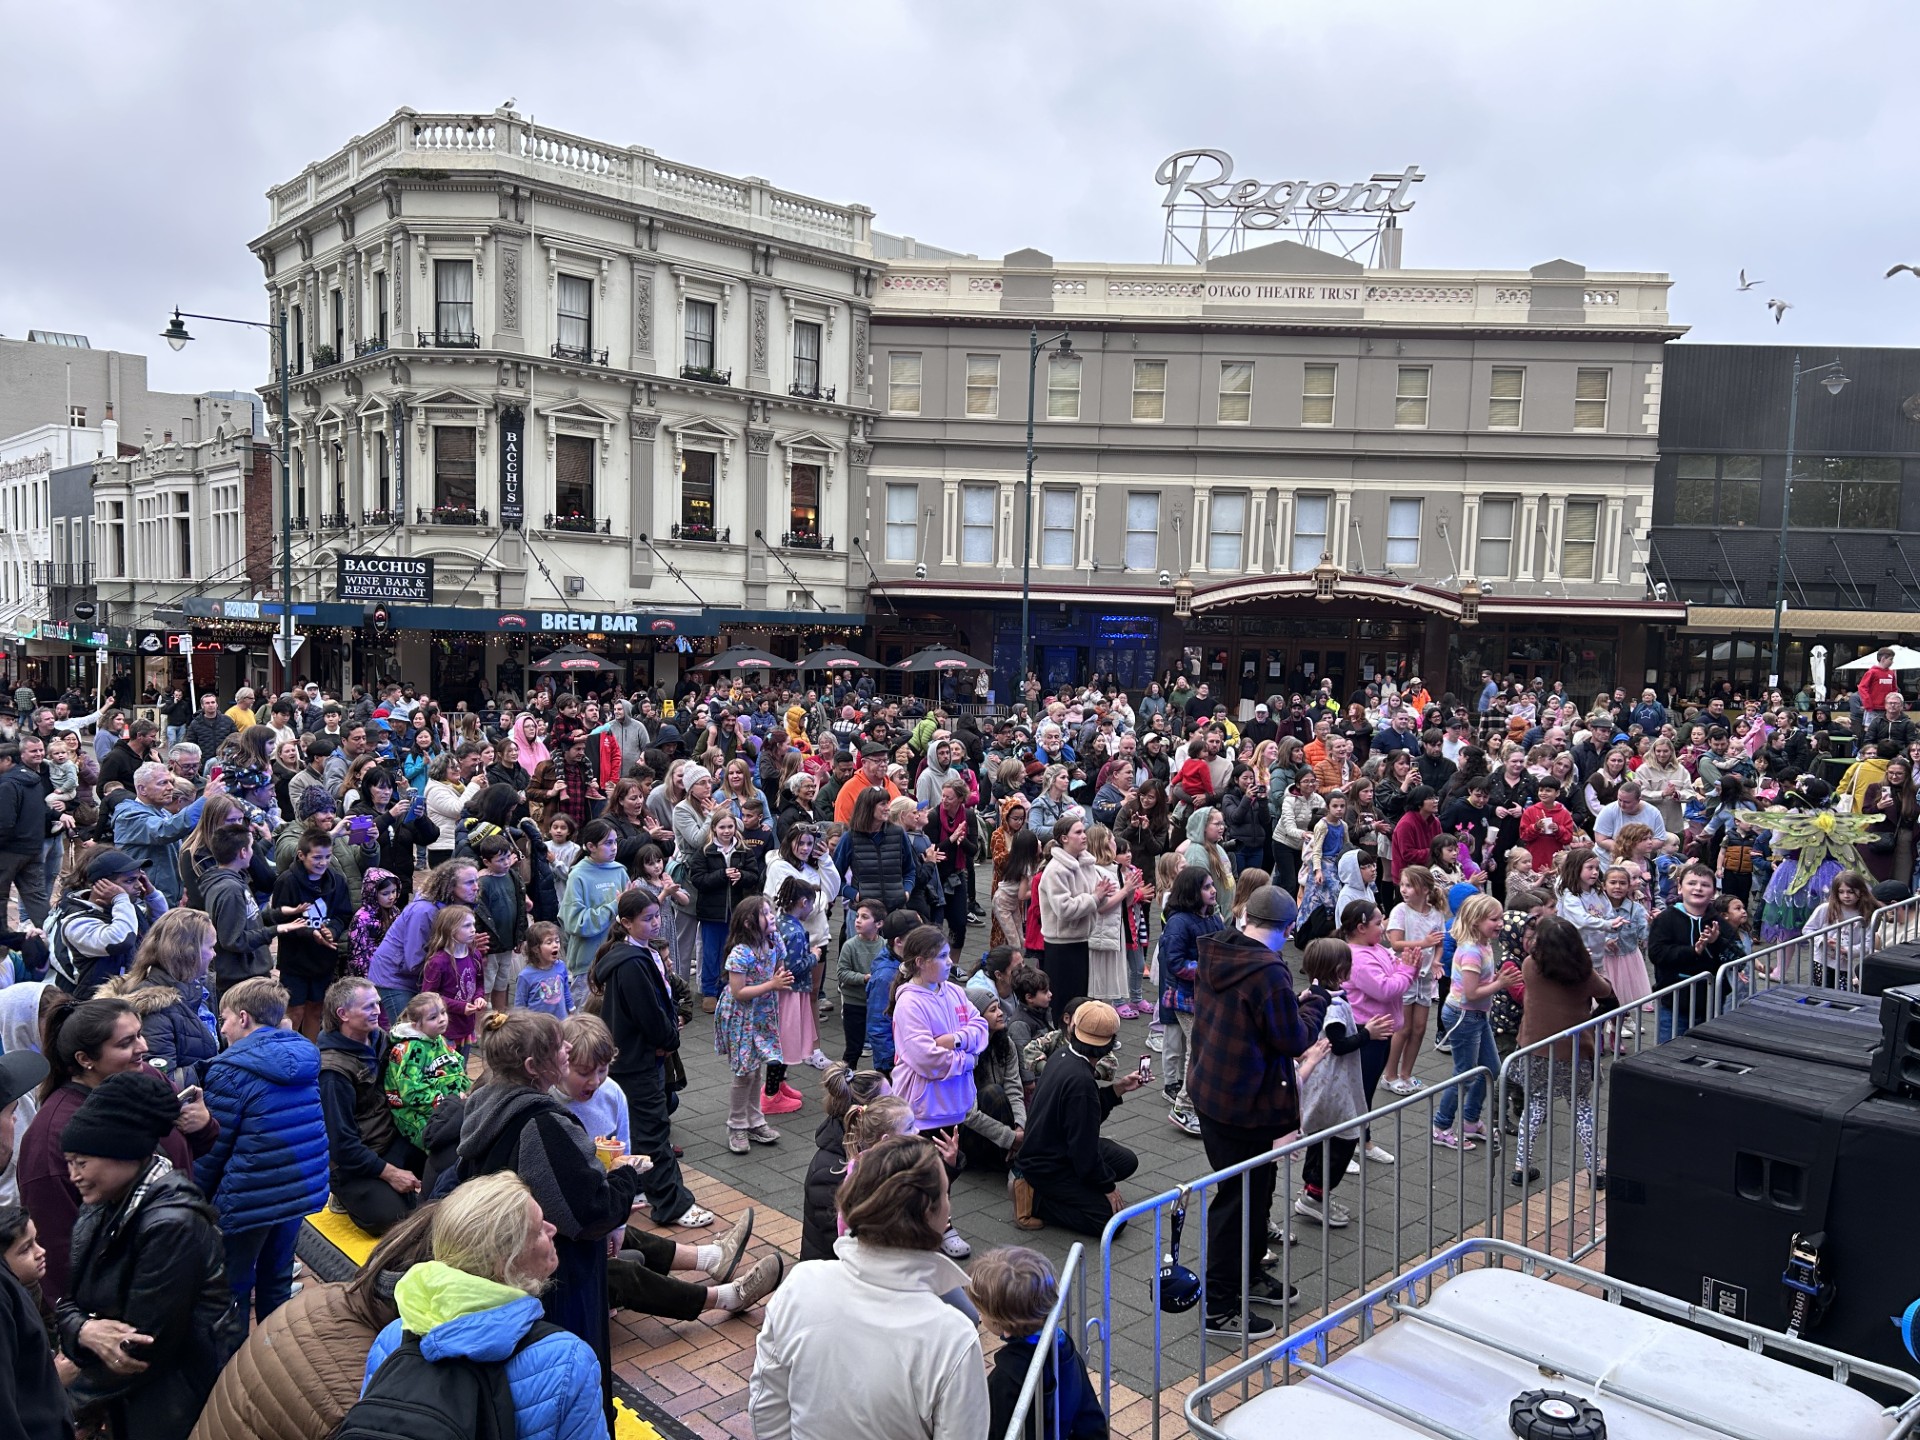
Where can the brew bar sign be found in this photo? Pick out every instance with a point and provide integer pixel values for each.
(395, 579)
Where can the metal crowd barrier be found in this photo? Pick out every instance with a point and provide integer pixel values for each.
(1390, 1228)
(1558, 1212)
(1309, 1351)
(1036, 1414)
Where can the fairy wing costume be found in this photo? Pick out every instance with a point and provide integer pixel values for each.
(1822, 843)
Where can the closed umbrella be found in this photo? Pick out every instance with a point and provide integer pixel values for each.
(1817, 661)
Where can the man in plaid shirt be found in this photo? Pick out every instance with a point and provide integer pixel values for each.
(1248, 1029)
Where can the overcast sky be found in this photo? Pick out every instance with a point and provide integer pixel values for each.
(1688, 138)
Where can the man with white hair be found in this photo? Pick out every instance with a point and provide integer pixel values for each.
(148, 830)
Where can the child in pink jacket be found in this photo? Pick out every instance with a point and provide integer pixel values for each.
(937, 1034)
(1377, 991)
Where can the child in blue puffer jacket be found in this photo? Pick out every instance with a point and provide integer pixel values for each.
(267, 1170)
(899, 925)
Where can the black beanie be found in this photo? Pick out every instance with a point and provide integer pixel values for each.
(125, 1118)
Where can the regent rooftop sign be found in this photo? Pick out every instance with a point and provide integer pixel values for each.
(1205, 178)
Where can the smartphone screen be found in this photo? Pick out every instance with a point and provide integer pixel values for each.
(1146, 1067)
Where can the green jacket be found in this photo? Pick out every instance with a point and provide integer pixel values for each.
(422, 1070)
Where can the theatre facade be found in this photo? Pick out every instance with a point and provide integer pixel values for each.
(1270, 467)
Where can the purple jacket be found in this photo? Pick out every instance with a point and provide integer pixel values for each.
(396, 965)
(937, 1083)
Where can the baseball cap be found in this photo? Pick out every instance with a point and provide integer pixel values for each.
(1270, 905)
(109, 863)
(1259, 709)
(1095, 1023)
(20, 1071)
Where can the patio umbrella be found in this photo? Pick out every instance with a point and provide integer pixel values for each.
(744, 657)
(1817, 662)
(936, 658)
(573, 660)
(838, 657)
(1903, 659)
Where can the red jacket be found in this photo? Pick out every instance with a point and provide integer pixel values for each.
(1413, 838)
(609, 759)
(1033, 940)
(1875, 686)
(1543, 847)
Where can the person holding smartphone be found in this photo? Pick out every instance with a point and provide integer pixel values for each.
(1680, 942)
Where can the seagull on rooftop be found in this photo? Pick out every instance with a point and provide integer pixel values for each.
(1779, 309)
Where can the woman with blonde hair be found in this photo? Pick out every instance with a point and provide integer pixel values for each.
(222, 812)
(166, 985)
(478, 1300)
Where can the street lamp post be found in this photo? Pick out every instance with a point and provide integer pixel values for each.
(1835, 382)
(176, 335)
(1034, 347)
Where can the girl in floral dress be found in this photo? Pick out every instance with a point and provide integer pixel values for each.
(746, 1021)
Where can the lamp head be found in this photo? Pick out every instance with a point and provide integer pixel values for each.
(176, 332)
(1066, 347)
(1835, 382)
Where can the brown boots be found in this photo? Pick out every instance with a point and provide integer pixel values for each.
(1023, 1216)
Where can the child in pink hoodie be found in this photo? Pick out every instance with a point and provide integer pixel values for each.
(937, 1035)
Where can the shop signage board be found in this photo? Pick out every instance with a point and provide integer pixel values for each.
(512, 501)
(369, 579)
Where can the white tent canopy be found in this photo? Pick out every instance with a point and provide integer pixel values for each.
(1903, 659)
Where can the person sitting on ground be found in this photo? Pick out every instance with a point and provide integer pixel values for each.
(813, 1367)
(844, 1091)
(1069, 1173)
(478, 1299)
(107, 904)
(371, 1167)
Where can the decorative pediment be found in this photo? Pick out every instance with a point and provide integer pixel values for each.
(575, 412)
(697, 432)
(452, 397)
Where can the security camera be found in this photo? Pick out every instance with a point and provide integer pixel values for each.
(1166, 580)
(920, 571)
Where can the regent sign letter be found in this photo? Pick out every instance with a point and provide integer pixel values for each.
(1205, 177)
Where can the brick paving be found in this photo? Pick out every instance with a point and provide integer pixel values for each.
(698, 1371)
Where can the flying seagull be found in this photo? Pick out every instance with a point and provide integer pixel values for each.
(1779, 309)
(1914, 270)
(1746, 284)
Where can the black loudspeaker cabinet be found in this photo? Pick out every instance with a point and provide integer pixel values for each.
(1713, 1153)
(1895, 965)
(1832, 1027)
(1896, 1063)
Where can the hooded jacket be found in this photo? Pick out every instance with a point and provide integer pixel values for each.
(19, 1030)
(813, 1370)
(154, 1260)
(638, 1008)
(360, 1130)
(304, 954)
(1352, 887)
(302, 1367)
(174, 1019)
(1180, 941)
(819, 1212)
(1248, 1028)
(1298, 815)
(270, 1161)
(243, 932)
(555, 1381)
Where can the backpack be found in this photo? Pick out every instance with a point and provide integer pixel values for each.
(413, 1398)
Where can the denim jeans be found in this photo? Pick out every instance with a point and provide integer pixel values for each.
(713, 955)
(1472, 1033)
(1673, 1021)
(260, 1267)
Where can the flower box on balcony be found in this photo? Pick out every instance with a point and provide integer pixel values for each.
(707, 373)
(581, 524)
(705, 534)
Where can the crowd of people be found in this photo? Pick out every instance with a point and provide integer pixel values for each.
(437, 971)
